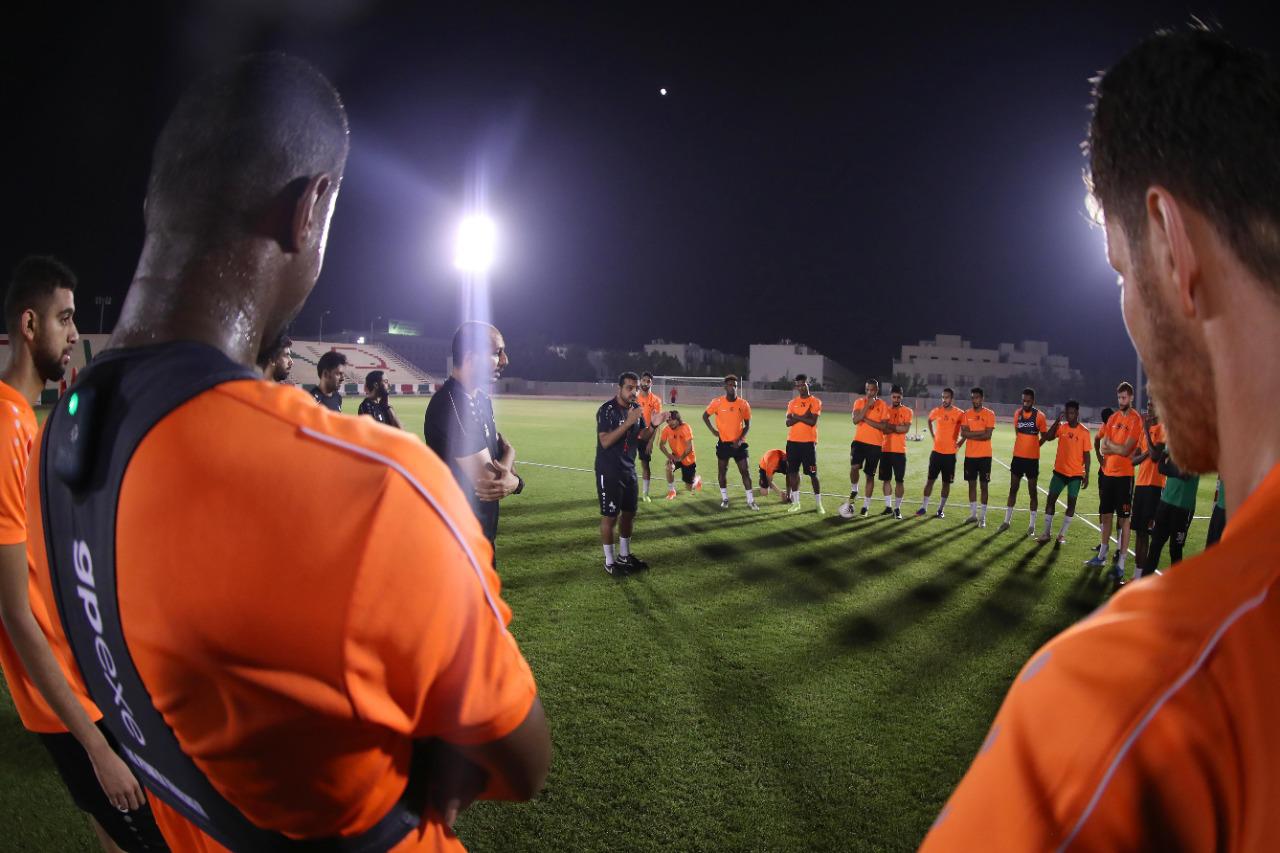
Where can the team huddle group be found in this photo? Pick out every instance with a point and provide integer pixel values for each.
(1139, 486)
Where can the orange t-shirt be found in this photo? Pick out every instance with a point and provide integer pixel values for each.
(1121, 428)
(946, 428)
(1027, 430)
(651, 404)
(17, 433)
(298, 660)
(896, 442)
(729, 417)
(978, 419)
(1149, 471)
(681, 442)
(810, 405)
(866, 433)
(1074, 444)
(1170, 746)
(770, 461)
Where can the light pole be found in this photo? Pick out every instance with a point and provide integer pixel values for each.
(102, 302)
(322, 316)
(371, 322)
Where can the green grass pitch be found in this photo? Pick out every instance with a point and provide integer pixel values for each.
(774, 682)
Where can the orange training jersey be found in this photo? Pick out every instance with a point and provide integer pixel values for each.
(946, 428)
(17, 433)
(1149, 471)
(680, 441)
(770, 461)
(974, 420)
(299, 664)
(810, 405)
(1074, 444)
(1120, 428)
(729, 416)
(866, 433)
(1172, 745)
(1027, 431)
(896, 442)
(652, 406)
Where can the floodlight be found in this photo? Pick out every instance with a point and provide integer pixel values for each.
(473, 249)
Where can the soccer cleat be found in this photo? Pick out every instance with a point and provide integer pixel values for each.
(1117, 577)
(897, 513)
(1031, 532)
(982, 523)
(1062, 540)
(863, 512)
(671, 495)
(632, 563)
(1004, 525)
(616, 569)
(795, 507)
(646, 499)
(973, 519)
(920, 513)
(822, 510)
(939, 514)
(753, 506)
(887, 511)
(1043, 539)
(697, 483)
(1095, 562)
(724, 504)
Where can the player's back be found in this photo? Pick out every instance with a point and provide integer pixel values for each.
(292, 585)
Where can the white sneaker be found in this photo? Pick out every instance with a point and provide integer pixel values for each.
(982, 522)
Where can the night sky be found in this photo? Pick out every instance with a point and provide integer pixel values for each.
(855, 182)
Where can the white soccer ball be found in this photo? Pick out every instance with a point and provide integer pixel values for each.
(846, 510)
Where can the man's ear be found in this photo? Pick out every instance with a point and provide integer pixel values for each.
(308, 212)
(1175, 264)
(27, 324)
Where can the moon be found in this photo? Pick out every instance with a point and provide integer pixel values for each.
(662, 92)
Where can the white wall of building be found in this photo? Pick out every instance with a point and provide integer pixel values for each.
(951, 360)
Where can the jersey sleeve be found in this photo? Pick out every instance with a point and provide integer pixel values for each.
(427, 651)
(746, 410)
(988, 419)
(817, 406)
(13, 506)
(859, 404)
(603, 422)
(1042, 425)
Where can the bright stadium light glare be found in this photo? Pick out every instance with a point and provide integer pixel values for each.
(473, 250)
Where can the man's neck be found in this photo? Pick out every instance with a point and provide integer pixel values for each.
(464, 381)
(622, 404)
(21, 373)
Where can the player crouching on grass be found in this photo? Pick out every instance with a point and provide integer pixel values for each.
(772, 463)
(676, 443)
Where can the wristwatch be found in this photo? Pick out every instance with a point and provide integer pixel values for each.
(519, 485)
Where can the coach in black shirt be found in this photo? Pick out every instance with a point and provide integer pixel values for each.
(377, 400)
(332, 371)
(461, 430)
(620, 431)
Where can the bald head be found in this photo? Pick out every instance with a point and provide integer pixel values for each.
(479, 353)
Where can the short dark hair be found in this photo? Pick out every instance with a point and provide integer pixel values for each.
(977, 390)
(948, 391)
(270, 353)
(1106, 414)
(34, 280)
(1031, 392)
(1124, 386)
(732, 377)
(329, 361)
(800, 377)
(896, 389)
(1072, 404)
(472, 337)
(873, 381)
(674, 413)
(371, 379)
(625, 375)
(1194, 113)
(646, 373)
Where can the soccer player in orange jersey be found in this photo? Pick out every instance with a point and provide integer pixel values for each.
(868, 442)
(1120, 436)
(977, 425)
(942, 459)
(733, 422)
(1029, 428)
(652, 405)
(1151, 725)
(773, 462)
(1070, 467)
(1148, 482)
(802, 442)
(893, 456)
(676, 444)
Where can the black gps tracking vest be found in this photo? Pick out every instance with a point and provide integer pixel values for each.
(89, 439)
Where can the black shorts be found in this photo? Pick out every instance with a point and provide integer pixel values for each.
(726, 450)
(645, 452)
(1145, 501)
(1024, 467)
(1115, 494)
(617, 494)
(977, 469)
(802, 457)
(1172, 522)
(1217, 524)
(687, 472)
(893, 466)
(865, 455)
(942, 464)
(135, 830)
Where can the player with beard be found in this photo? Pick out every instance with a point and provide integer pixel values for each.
(50, 698)
(276, 361)
(652, 405)
(621, 428)
(942, 459)
(1029, 428)
(803, 411)
(977, 425)
(1119, 438)
(870, 420)
(893, 457)
(377, 400)
(331, 368)
(1151, 725)
(676, 444)
(1148, 481)
(1070, 468)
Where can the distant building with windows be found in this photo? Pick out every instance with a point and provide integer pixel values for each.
(949, 360)
(786, 359)
(691, 356)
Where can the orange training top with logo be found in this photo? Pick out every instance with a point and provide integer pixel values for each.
(866, 433)
(1074, 444)
(17, 433)
(1027, 430)
(770, 461)
(946, 428)
(298, 660)
(1172, 745)
(652, 405)
(679, 441)
(974, 420)
(896, 442)
(1121, 428)
(810, 405)
(1149, 471)
(729, 416)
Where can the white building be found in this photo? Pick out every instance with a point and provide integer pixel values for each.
(784, 360)
(951, 360)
